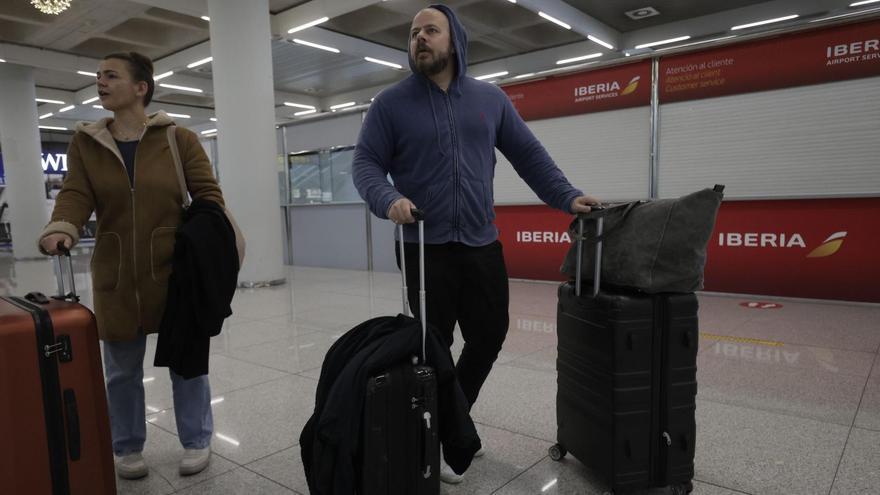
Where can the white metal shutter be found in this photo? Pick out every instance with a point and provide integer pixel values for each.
(810, 141)
(606, 154)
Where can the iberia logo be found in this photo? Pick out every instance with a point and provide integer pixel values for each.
(781, 241)
(631, 87)
(603, 90)
(829, 246)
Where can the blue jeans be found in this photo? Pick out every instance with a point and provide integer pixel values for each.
(124, 366)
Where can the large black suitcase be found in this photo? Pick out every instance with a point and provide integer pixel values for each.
(401, 446)
(626, 398)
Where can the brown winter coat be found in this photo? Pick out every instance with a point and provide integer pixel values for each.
(135, 235)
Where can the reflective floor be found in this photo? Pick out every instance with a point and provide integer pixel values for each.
(788, 403)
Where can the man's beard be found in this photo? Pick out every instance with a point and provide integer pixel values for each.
(434, 66)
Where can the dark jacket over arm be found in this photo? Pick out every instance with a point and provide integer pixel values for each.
(200, 289)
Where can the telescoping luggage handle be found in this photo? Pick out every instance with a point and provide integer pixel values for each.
(62, 294)
(419, 215)
(597, 269)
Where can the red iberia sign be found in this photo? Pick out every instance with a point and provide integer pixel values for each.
(823, 249)
(535, 240)
(585, 92)
(826, 55)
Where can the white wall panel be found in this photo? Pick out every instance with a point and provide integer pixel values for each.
(324, 133)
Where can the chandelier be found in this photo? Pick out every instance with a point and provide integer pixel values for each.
(53, 7)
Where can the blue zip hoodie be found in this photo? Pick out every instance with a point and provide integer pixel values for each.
(439, 148)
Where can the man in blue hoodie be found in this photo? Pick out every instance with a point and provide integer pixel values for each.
(435, 133)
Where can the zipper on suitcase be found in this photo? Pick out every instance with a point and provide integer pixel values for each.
(665, 440)
(656, 429)
(52, 404)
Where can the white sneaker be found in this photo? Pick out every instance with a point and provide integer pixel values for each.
(131, 466)
(195, 461)
(447, 475)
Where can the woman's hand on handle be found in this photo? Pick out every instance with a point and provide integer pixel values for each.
(50, 243)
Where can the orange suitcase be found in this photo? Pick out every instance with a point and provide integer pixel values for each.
(53, 407)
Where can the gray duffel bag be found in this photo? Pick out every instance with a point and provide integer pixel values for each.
(651, 246)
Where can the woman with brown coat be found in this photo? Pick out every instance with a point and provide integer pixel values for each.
(122, 169)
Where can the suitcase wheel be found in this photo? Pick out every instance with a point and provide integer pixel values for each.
(557, 452)
(683, 489)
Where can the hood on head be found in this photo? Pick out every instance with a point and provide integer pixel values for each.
(459, 38)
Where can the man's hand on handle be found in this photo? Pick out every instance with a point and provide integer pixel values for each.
(581, 204)
(401, 211)
(50, 243)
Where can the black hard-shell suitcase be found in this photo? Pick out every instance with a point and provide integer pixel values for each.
(626, 398)
(401, 446)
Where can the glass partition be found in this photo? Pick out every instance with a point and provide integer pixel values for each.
(321, 177)
(305, 177)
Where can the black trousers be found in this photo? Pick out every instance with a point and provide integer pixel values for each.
(467, 285)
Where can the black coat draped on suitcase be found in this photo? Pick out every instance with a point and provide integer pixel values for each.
(331, 442)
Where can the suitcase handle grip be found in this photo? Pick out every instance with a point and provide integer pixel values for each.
(73, 432)
(600, 225)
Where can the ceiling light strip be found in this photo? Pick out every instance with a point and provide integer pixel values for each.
(860, 12)
(578, 59)
(308, 25)
(199, 62)
(600, 42)
(182, 88)
(298, 105)
(315, 45)
(695, 43)
(662, 42)
(490, 76)
(765, 22)
(343, 105)
(382, 62)
(554, 20)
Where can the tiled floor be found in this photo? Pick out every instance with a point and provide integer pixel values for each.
(788, 403)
